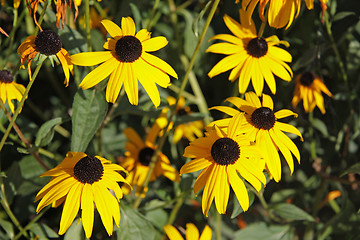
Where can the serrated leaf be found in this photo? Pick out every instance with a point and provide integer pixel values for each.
(291, 212)
(43, 231)
(353, 169)
(261, 231)
(134, 226)
(237, 207)
(8, 227)
(89, 110)
(46, 132)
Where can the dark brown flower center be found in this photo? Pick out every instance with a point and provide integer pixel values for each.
(307, 78)
(6, 76)
(257, 47)
(48, 42)
(181, 112)
(88, 170)
(263, 118)
(145, 156)
(128, 49)
(225, 151)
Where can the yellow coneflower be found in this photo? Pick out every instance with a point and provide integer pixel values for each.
(127, 62)
(10, 90)
(83, 182)
(192, 233)
(262, 126)
(222, 155)
(48, 44)
(308, 89)
(250, 57)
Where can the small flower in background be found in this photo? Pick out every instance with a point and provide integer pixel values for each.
(250, 57)
(9, 89)
(262, 126)
(308, 89)
(16, 3)
(127, 62)
(189, 130)
(95, 21)
(47, 44)
(61, 9)
(281, 13)
(222, 155)
(138, 157)
(192, 233)
(82, 181)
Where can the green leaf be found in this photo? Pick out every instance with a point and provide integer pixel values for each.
(8, 227)
(321, 126)
(75, 231)
(237, 207)
(261, 231)
(134, 226)
(89, 110)
(46, 132)
(43, 231)
(341, 15)
(291, 212)
(353, 169)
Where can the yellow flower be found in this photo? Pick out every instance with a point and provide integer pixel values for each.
(263, 127)
(308, 88)
(192, 233)
(138, 157)
(189, 130)
(127, 61)
(10, 90)
(222, 155)
(250, 57)
(281, 12)
(48, 44)
(16, 3)
(79, 182)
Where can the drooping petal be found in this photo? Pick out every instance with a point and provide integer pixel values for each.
(159, 63)
(112, 28)
(87, 209)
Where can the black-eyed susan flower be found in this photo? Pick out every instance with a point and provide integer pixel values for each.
(308, 89)
(47, 44)
(127, 62)
(189, 130)
(223, 155)
(262, 126)
(82, 182)
(250, 56)
(192, 233)
(10, 90)
(280, 13)
(138, 157)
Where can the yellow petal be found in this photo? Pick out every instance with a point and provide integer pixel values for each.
(159, 63)
(239, 188)
(115, 83)
(195, 165)
(206, 234)
(131, 84)
(99, 73)
(192, 233)
(172, 233)
(90, 58)
(154, 44)
(87, 209)
(112, 28)
(128, 26)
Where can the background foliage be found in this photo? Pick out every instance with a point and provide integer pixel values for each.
(319, 201)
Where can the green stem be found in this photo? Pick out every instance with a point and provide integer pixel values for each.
(4, 203)
(200, 99)
(312, 140)
(182, 87)
(263, 25)
(152, 14)
(87, 20)
(21, 104)
(175, 210)
(28, 226)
